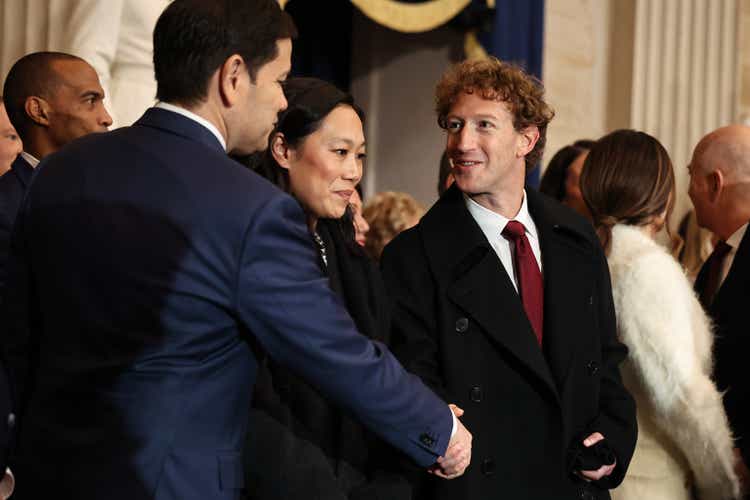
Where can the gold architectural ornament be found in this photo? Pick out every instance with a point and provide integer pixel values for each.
(411, 17)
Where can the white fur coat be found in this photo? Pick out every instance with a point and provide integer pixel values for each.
(683, 432)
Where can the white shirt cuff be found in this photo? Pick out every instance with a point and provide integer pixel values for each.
(455, 424)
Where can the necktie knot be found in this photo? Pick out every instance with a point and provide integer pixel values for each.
(514, 230)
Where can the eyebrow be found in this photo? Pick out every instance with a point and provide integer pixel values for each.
(348, 142)
(92, 93)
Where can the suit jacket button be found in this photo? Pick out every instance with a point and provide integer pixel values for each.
(488, 467)
(11, 420)
(476, 394)
(427, 440)
(591, 300)
(592, 367)
(462, 324)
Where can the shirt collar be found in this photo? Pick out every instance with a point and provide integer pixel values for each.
(493, 223)
(29, 159)
(736, 238)
(189, 114)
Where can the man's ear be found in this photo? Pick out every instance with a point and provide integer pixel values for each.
(716, 184)
(281, 151)
(38, 110)
(528, 138)
(230, 77)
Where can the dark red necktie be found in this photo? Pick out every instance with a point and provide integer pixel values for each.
(714, 262)
(530, 285)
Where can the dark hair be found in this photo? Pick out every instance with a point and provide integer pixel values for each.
(193, 38)
(627, 178)
(500, 81)
(33, 75)
(309, 101)
(553, 180)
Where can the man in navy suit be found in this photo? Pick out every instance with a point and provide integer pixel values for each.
(149, 265)
(51, 98)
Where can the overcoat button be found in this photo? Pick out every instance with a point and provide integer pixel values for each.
(462, 324)
(591, 300)
(488, 467)
(592, 367)
(476, 394)
(11, 420)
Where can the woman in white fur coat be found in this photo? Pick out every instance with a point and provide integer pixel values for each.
(684, 448)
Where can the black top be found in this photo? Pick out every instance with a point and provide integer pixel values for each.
(310, 448)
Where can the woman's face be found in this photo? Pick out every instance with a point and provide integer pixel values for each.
(573, 196)
(327, 165)
(361, 226)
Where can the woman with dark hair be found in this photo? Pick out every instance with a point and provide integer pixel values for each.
(311, 449)
(561, 179)
(684, 447)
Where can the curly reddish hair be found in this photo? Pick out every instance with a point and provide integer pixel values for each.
(497, 80)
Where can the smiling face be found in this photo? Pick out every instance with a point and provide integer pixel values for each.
(486, 152)
(325, 168)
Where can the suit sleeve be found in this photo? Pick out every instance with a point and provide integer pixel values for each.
(663, 352)
(616, 420)
(289, 307)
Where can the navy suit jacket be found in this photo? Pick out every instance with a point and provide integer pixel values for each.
(13, 184)
(151, 263)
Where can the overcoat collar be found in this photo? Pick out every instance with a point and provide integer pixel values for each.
(477, 283)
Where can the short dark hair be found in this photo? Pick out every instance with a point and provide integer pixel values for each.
(32, 75)
(193, 38)
(553, 180)
(309, 101)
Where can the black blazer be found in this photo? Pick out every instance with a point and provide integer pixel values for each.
(732, 342)
(13, 185)
(460, 325)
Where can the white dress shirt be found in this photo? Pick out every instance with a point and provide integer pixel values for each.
(734, 242)
(492, 225)
(189, 114)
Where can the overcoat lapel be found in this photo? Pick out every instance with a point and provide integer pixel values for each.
(477, 283)
(568, 290)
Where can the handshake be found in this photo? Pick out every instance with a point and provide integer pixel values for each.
(458, 455)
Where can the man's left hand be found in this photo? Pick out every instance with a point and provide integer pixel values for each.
(604, 470)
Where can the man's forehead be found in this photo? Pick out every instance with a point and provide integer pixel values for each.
(476, 103)
(76, 74)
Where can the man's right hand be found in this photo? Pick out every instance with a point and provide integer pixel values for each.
(458, 455)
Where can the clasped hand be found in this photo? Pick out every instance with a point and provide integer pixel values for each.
(458, 455)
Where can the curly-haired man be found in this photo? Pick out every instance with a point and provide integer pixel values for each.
(503, 305)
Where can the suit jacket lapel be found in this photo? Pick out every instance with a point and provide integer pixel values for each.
(478, 284)
(737, 271)
(22, 170)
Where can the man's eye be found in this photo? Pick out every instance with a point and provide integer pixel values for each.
(341, 152)
(361, 156)
(453, 125)
(485, 124)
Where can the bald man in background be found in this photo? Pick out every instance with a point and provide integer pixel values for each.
(51, 99)
(720, 191)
